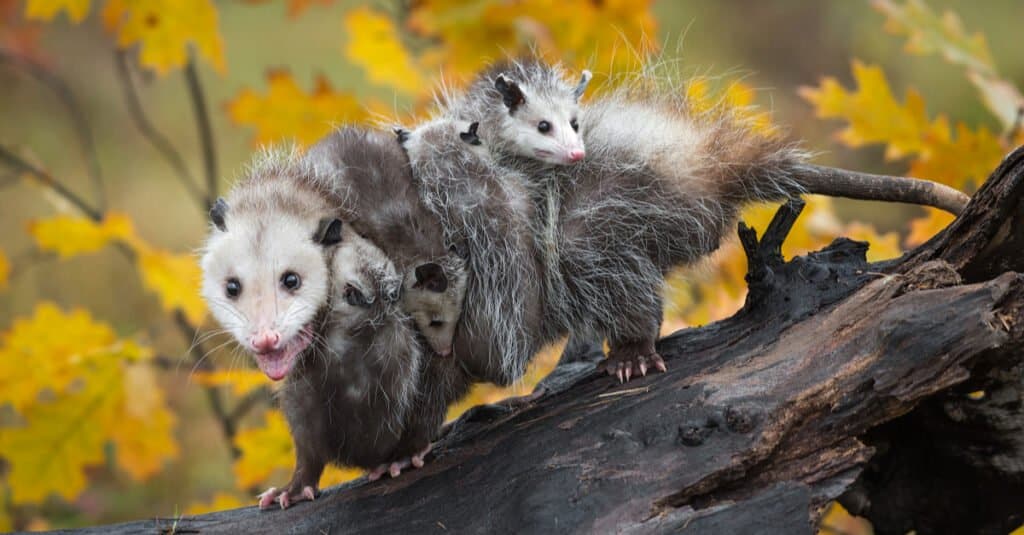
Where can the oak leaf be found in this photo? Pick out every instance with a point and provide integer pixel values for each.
(374, 44)
(47, 10)
(165, 29)
(287, 112)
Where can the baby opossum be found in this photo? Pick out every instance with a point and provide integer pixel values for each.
(318, 305)
(660, 186)
(368, 170)
(485, 209)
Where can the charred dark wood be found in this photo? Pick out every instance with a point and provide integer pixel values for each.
(838, 378)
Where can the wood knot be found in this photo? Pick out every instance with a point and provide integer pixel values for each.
(742, 419)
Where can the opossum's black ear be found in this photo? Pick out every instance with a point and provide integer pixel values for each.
(430, 276)
(402, 134)
(582, 86)
(510, 93)
(470, 136)
(328, 232)
(217, 213)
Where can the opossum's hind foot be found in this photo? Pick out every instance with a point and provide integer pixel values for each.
(632, 359)
(394, 469)
(287, 496)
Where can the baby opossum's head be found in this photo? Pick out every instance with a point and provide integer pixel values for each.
(366, 286)
(443, 139)
(265, 268)
(542, 122)
(433, 295)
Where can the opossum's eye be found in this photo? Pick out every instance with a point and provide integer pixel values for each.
(436, 323)
(233, 288)
(354, 297)
(543, 127)
(291, 281)
(575, 125)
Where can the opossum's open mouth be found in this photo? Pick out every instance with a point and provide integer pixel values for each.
(276, 364)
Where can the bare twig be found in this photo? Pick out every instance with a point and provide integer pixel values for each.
(79, 123)
(146, 128)
(19, 165)
(195, 90)
(246, 404)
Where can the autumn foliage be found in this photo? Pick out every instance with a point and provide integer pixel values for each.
(92, 401)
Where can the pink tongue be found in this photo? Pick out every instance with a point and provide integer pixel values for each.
(276, 364)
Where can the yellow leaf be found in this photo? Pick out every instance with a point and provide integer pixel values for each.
(838, 520)
(873, 114)
(374, 45)
(46, 10)
(175, 278)
(929, 33)
(5, 271)
(60, 439)
(58, 345)
(165, 29)
(922, 229)
(265, 452)
(481, 393)
(71, 235)
(222, 501)
(242, 381)
(881, 246)
(334, 475)
(287, 112)
(143, 436)
(971, 156)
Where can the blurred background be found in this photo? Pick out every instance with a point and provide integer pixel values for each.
(120, 119)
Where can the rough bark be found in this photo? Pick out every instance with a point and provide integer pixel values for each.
(839, 379)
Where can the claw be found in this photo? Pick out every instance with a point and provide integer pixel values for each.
(375, 474)
(284, 500)
(629, 372)
(267, 497)
(643, 368)
(417, 461)
(395, 470)
(308, 493)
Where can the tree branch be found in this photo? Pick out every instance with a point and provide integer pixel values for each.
(19, 165)
(196, 94)
(78, 121)
(148, 131)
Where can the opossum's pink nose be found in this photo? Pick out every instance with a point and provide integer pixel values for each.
(576, 155)
(265, 341)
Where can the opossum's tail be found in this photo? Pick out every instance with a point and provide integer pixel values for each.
(855, 185)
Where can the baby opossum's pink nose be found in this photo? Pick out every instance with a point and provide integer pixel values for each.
(576, 155)
(265, 341)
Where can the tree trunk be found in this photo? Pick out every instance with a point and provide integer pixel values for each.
(838, 379)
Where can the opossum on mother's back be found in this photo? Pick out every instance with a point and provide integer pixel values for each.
(660, 185)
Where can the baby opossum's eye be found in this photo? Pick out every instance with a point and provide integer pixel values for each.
(575, 125)
(233, 287)
(436, 323)
(354, 297)
(543, 127)
(291, 281)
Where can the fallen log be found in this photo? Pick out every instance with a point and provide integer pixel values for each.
(893, 387)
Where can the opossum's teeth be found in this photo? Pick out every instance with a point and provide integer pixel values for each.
(278, 363)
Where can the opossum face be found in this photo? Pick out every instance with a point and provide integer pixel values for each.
(433, 297)
(365, 284)
(265, 278)
(543, 126)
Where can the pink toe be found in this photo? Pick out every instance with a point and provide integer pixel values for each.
(308, 493)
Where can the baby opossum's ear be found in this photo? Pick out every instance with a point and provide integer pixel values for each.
(510, 93)
(430, 276)
(582, 86)
(470, 136)
(402, 134)
(328, 232)
(217, 213)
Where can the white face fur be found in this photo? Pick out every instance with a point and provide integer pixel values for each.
(543, 126)
(265, 284)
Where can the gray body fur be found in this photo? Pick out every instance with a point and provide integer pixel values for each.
(486, 211)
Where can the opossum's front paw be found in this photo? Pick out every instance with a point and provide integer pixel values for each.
(627, 360)
(394, 469)
(287, 496)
